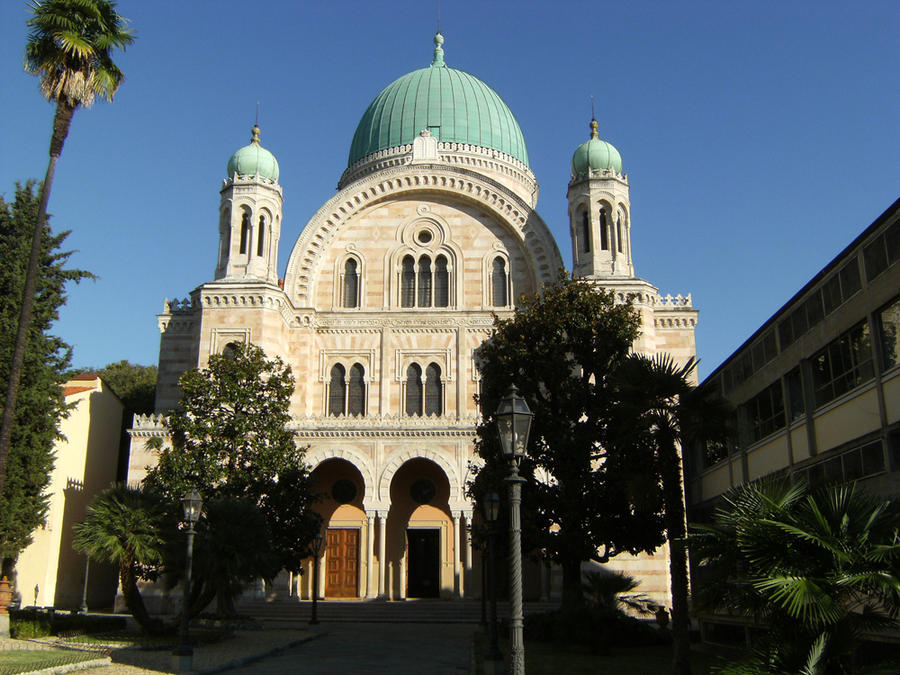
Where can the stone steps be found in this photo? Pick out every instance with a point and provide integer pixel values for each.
(381, 611)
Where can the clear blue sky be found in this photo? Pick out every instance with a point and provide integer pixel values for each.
(759, 137)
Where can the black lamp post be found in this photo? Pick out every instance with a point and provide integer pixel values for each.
(513, 424)
(317, 549)
(184, 653)
(84, 608)
(491, 506)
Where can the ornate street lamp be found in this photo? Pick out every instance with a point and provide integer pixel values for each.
(491, 508)
(317, 550)
(192, 503)
(513, 424)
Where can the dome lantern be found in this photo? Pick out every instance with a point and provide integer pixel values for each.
(253, 160)
(595, 155)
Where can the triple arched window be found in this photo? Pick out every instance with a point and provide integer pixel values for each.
(424, 282)
(423, 396)
(347, 391)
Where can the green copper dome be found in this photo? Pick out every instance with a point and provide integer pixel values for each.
(254, 160)
(595, 155)
(454, 106)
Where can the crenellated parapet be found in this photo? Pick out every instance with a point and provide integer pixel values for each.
(148, 426)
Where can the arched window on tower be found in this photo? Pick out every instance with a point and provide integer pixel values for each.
(585, 233)
(499, 283)
(245, 231)
(434, 403)
(604, 231)
(408, 282)
(620, 244)
(413, 390)
(441, 283)
(351, 283)
(337, 390)
(260, 240)
(424, 281)
(356, 391)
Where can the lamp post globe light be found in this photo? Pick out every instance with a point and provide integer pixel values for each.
(191, 503)
(513, 424)
(317, 550)
(491, 507)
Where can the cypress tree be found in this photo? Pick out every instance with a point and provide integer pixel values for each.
(41, 404)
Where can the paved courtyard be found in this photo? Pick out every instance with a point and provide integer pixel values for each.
(376, 648)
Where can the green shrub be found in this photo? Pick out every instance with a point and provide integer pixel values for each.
(29, 629)
(593, 627)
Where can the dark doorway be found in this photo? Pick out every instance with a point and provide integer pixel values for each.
(423, 566)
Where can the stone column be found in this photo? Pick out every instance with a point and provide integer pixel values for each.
(382, 556)
(457, 580)
(370, 555)
(467, 551)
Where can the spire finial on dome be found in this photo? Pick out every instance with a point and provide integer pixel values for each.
(438, 59)
(594, 127)
(255, 134)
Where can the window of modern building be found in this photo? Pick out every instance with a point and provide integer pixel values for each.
(857, 463)
(337, 390)
(843, 365)
(604, 231)
(434, 403)
(356, 391)
(764, 413)
(883, 252)
(889, 334)
(794, 383)
(843, 284)
(351, 283)
(260, 240)
(245, 231)
(413, 390)
(499, 283)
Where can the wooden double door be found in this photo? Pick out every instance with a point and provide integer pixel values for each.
(342, 563)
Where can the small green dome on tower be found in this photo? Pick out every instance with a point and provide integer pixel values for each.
(595, 155)
(454, 106)
(254, 160)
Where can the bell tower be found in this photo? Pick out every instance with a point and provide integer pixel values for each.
(599, 211)
(250, 216)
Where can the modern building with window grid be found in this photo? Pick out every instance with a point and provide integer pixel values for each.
(817, 387)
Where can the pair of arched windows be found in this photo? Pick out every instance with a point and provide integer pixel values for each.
(425, 283)
(347, 392)
(245, 234)
(424, 397)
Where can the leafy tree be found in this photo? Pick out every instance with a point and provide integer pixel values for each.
(134, 384)
(69, 47)
(128, 527)
(561, 349)
(23, 504)
(662, 410)
(815, 567)
(230, 439)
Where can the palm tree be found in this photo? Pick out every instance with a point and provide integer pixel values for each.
(661, 407)
(816, 568)
(125, 526)
(69, 47)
